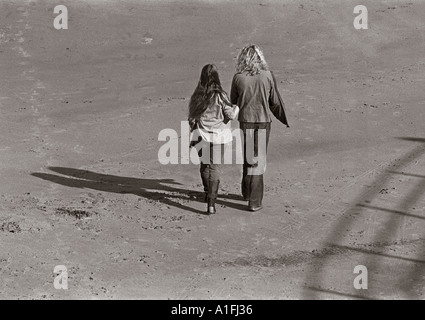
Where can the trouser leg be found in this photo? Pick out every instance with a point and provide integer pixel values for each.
(204, 169)
(245, 182)
(205, 176)
(215, 167)
(245, 178)
(252, 176)
(214, 181)
(256, 187)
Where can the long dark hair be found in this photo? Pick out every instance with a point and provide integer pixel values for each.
(208, 87)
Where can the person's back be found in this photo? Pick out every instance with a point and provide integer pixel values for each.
(212, 123)
(252, 94)
(254, 90)
(209, 114)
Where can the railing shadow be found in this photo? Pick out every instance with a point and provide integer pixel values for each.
(415, 275)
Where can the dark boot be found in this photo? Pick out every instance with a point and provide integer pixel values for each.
(205, 176)
(212, 196)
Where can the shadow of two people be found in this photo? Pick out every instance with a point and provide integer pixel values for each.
(161, 190)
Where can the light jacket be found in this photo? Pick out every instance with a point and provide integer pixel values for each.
(214, 125)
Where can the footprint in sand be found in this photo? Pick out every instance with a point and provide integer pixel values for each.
(44, 121)
(147, 40)
(78, 149)
(258, 239)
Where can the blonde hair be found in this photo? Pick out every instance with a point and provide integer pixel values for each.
(251, 59)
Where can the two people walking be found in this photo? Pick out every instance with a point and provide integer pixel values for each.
(254, 96)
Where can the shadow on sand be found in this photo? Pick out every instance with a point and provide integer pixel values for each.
(412, 279)
(166, 191)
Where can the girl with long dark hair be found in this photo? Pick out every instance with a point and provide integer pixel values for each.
(210, 112)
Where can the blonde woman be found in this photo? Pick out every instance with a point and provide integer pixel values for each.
(255, 91)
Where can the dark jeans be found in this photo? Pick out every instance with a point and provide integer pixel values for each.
(211, 168)
(255, 135)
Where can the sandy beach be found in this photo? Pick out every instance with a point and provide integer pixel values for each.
(81, 184)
